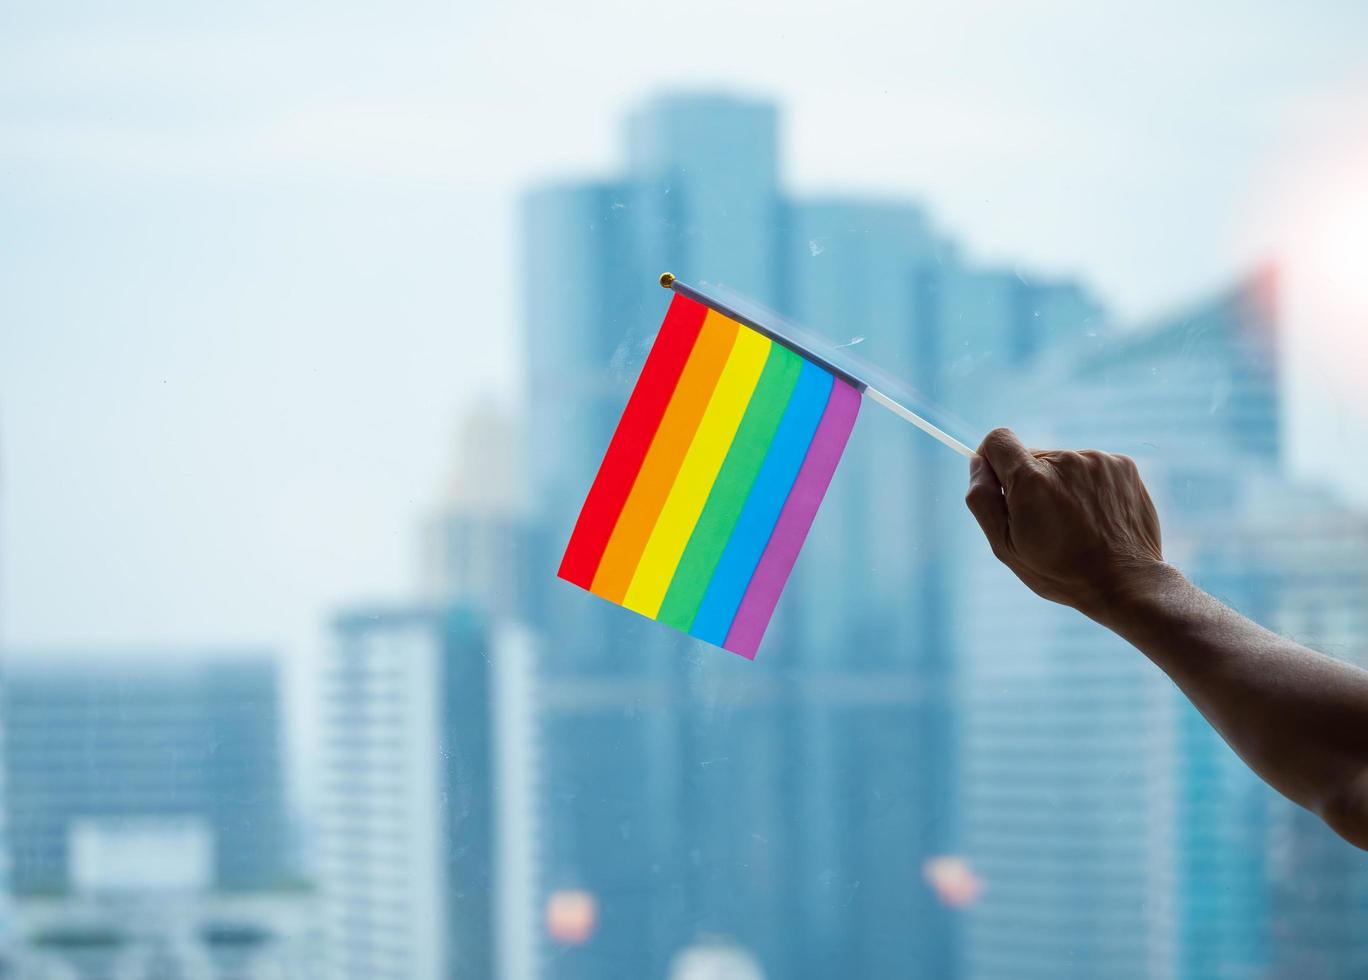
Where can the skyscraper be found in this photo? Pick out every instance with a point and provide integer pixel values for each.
(1116, 831)
(912, 701)
(478, 547)
(1297, 560)
(391, 803)
(790, 805)
(660, 806)
(423, 861)
(180, 747)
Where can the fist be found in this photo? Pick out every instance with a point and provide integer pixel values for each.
(1079, 528)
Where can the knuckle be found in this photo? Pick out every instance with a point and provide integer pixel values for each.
(1093, 462)
(1030, 478)
(998, 436)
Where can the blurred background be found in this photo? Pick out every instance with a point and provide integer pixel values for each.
(315, 320)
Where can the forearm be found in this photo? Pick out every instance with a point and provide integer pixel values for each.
(1080, 528)
(1297, 717)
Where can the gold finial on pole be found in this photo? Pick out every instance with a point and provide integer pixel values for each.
(667, 279)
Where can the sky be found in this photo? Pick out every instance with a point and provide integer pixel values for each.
(256, 259)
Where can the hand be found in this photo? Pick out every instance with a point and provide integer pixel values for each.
(1078, 528)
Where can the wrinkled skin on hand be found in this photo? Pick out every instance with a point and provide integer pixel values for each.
(1078, 528)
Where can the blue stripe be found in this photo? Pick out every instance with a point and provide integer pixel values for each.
(783, 459)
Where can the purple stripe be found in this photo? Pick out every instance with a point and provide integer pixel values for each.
(791, 530)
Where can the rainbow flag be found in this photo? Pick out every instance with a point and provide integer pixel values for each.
(712, 479)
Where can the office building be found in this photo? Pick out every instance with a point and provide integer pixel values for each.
(175, 753)
(913, 706)
(1116, 832)
(425, 872)
(791, 804)
(479, 547)
(1297, 560)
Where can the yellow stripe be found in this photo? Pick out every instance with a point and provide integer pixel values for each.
(697, 473)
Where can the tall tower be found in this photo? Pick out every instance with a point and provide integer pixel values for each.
(479, 546)
(787, 806)
(662, 809)
(1116, 832)
(426, 868)
(428, 829)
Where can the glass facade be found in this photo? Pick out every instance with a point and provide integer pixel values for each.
(175, 734)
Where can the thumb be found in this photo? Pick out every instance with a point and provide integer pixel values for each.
(1006, 455)
(986, 502)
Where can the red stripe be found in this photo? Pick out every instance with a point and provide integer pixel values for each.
(635, 431)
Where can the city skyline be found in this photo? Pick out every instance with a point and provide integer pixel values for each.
(146, 827)
(218, 177)
(669, 798)
(811, 791)
(964, 700)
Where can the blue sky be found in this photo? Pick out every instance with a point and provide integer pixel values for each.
(258, 257)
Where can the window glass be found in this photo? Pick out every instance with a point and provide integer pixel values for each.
(316, 321)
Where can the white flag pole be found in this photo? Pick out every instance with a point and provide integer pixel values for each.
(897, 408)
(903, 412)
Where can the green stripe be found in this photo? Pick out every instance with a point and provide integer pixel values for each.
(730, 489)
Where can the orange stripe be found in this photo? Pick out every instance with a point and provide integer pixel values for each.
(663, 459)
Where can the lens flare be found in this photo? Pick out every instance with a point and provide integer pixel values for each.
(1311, 206)
(1328, 248)
(953, 881)
(571, 917)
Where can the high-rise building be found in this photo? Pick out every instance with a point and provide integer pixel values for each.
(424, 863)
(1297, 561)
(173, 755)
(790, 805)
(146, 795)
(663, 810)
(479, 546)
(426, 860)
(914, 707)
(1116, 832)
